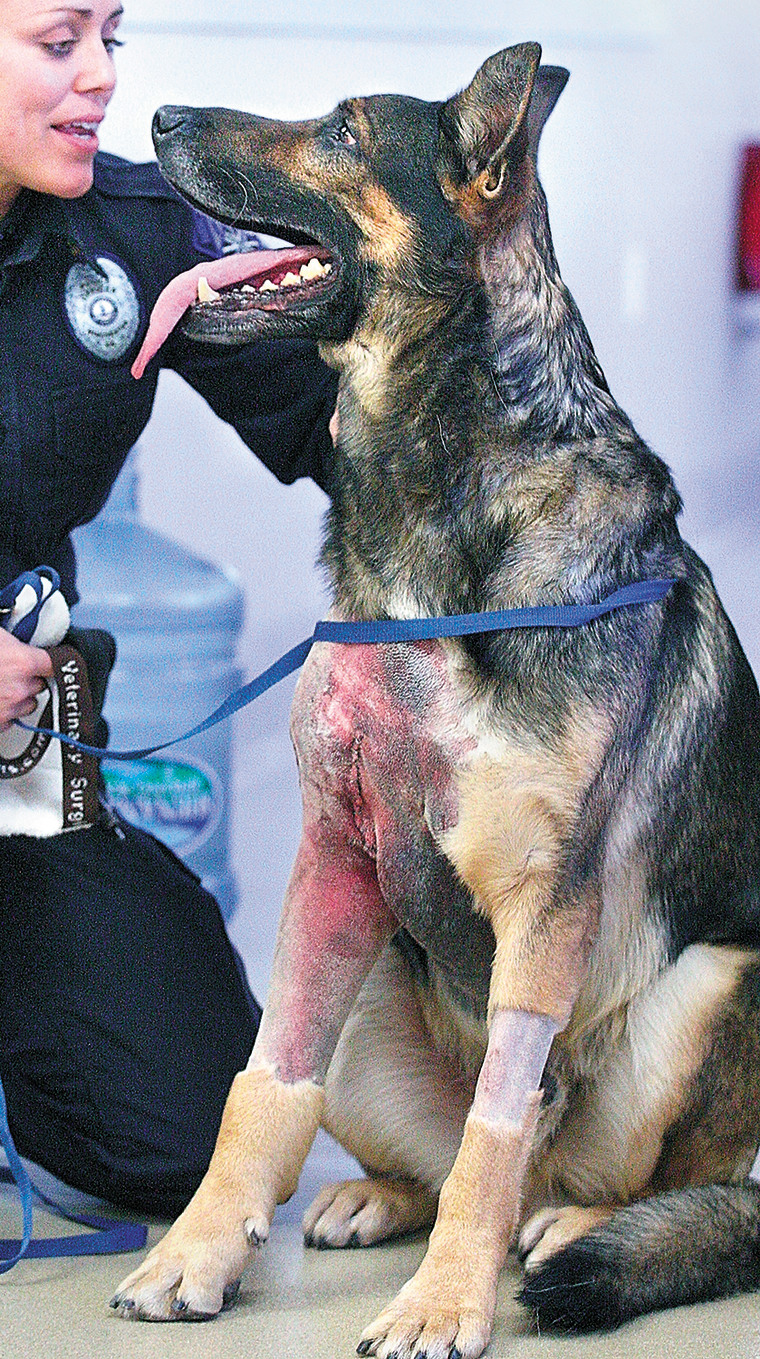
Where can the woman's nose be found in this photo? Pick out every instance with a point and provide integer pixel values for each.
(96, 70)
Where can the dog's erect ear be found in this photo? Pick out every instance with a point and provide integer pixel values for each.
(549, 83)
(486, 122)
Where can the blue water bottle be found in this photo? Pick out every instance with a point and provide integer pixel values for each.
(176, 620)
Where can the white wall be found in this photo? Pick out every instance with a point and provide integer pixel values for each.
(639, 162)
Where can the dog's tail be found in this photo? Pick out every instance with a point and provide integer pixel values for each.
(686, 1246)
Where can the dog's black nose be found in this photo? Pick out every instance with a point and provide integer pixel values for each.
(167, 119)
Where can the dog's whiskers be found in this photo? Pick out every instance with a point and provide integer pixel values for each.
(243, 183)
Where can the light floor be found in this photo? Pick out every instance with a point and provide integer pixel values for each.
(307, 1304)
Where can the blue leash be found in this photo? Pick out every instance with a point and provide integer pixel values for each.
(388, 630)
(107, 1237)
(115, 1237)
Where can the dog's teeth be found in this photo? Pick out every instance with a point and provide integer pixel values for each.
(246, 288)
(314, 269)
(328, 268)
(290, 281)
(268, 286)
(205, 292)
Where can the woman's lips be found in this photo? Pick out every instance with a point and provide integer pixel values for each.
(82, 134)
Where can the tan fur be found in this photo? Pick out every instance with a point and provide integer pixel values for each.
(266, 1131)
(385, 1065)
(638, 1076)
(453, 1030)
(549, 1231)
(515, 814)
(388, 233)
(369, 358)
(363, 1212)
(373, 349)
(630, 947)
(452, 1296)
(611, 1140)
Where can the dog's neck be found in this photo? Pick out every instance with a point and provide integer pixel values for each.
(544, 380)
(549, 379)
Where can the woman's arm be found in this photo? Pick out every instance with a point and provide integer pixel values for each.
(278, 395)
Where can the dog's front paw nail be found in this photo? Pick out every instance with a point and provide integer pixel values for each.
(257, 1230)
(179, 1305)
(230, 1293)
(121, 1304)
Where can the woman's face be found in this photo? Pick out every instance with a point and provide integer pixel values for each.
(56, 78)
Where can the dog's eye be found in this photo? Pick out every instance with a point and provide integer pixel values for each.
(346, 136)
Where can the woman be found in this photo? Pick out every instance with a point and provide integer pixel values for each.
(123, 1012)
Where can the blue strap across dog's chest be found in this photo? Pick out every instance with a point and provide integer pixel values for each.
(389, 630)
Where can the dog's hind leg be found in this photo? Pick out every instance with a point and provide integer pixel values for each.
(675, 1108)
(398, 1104)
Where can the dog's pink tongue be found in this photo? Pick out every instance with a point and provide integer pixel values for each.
(182, 292)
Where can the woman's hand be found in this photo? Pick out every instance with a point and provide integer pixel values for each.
(23, 672)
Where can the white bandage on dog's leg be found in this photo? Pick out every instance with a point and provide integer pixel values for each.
(518, 1049)
(480, 1200)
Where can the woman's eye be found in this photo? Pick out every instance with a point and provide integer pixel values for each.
(111, 44)
(346, 136)
(60, 49)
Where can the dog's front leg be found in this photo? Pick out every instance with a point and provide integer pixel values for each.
(333, 927)
(447, 1308)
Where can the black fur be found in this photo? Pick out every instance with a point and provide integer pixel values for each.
(688, 1246)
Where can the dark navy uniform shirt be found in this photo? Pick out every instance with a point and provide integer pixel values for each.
(69, 408)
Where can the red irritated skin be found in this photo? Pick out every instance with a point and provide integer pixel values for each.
(378, 745)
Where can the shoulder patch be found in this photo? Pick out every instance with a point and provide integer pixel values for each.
(214, 239)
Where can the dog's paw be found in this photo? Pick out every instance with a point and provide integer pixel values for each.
(548, 1231)
(361, 1212)
(413, 1330)
(190, 1275)
(439, 1314)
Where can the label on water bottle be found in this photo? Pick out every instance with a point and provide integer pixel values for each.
(179, 803)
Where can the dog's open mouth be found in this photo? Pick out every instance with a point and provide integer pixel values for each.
(275, 280)
(223, 295)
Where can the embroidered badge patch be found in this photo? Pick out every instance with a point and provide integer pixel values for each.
(103, 309)
(215, 239)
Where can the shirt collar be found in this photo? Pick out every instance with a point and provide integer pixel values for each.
(33, 219)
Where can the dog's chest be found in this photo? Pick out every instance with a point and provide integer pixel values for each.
(381, 732)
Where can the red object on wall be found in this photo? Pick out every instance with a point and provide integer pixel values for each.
(748, 263)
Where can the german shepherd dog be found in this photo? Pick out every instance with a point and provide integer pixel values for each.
(517, 972)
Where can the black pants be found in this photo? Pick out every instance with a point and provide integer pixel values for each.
(124, 1014)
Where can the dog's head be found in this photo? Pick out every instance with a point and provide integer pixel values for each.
(386, 190)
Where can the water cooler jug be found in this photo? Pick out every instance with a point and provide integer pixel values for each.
(176, 620)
